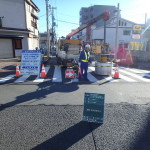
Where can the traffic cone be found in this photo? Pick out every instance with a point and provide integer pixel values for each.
(43, 73)
(116, 75)
(17, 71)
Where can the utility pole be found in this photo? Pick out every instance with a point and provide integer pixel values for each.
(117, 25)
(53, 24)
(145, 19)
(104, 32)
(48, 32)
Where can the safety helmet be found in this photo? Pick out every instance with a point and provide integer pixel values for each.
(87, 46)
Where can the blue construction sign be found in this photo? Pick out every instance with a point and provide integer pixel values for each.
(31, 62)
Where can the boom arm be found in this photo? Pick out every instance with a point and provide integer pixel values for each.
(104, 16)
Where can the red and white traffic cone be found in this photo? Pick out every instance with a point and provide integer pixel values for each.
(17, 71)
(116, 74)
(43, 73)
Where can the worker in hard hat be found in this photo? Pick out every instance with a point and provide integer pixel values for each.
(84, 60)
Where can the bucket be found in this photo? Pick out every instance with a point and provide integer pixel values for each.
(103, 68)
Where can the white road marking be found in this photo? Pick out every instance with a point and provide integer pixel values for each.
(22, 79)
(57, 75)
(126, 78)
(38, 79)
(135, 76)
(92, 68)
(2, 80)
(91, 78)
(75, 80)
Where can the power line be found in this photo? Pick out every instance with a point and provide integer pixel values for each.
(67, 22)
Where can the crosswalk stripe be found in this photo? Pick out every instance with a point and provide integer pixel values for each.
(110, 79)
(38, 79)
(92, 68)
(57, 75)
(126, 78)
(75, 80)
(91, 78)
(22, 79)
(134, 75)
(7, 78)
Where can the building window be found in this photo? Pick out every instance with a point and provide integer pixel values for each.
(126, 32)
(18, 44)
(119, 22)
(32, 10)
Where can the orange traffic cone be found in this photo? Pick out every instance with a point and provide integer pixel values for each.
(116, 75)
(17, 71)
(43, 73)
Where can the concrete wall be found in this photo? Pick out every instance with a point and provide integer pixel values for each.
(13, 12)
(33, 43)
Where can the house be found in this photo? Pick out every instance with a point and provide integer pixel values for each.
(18, 27)
(125, 29)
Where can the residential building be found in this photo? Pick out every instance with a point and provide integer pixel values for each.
(88, 13)
(125, 30)
(18, 27)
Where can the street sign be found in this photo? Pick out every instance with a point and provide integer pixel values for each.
(93, 107)
(31, 62)
(136, 36)
(69, 73)
(137, 27)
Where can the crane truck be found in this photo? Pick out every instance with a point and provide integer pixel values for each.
(68, 49)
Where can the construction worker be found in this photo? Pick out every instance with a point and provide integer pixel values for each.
(84, 60)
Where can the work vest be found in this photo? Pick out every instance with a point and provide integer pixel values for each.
(87, 56)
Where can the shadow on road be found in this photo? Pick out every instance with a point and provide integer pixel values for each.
(142, 141)
(44, 89)
(67, 138)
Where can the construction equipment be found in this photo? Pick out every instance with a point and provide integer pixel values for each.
(68, 49)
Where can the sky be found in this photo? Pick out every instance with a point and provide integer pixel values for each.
(67, 12)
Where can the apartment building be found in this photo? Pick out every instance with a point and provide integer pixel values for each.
(88, 13)
(18, 27)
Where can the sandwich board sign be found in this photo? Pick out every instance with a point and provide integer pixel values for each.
(31, 62)
(69, 73)
(93, 107)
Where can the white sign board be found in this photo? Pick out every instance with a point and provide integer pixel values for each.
(136, 36)
(31, 62)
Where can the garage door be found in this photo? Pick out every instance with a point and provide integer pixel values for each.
(6, 49)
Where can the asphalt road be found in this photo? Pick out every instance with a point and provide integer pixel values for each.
(48, 116)
(126, 127)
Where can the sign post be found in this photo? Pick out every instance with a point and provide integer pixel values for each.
(93, 107)
(31, 62)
